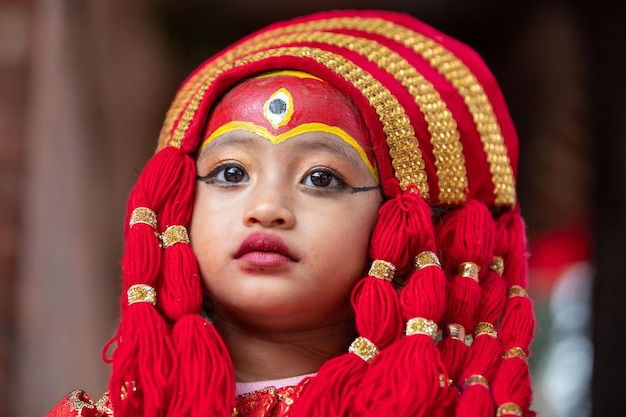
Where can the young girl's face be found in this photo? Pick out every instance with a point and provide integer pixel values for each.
(281, 230)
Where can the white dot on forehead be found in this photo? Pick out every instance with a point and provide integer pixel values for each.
(278, 109)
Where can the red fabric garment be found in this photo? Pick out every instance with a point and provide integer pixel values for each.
(79, 403)
(268, 402)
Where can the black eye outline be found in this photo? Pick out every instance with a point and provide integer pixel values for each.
(336, 180)
(218, 175)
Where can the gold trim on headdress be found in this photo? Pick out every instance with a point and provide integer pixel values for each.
(452, 69)
(406, 157)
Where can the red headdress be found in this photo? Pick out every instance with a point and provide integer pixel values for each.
(441, 137)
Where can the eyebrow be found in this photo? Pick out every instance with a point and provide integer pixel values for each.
(327, 142)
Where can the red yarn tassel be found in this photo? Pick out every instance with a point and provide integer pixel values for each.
(512, 382)
(409, 378)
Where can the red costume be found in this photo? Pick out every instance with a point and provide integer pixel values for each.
(454, 341)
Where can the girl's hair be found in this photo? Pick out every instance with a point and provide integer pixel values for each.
(455, 341)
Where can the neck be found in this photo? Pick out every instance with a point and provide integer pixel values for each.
(260, 355)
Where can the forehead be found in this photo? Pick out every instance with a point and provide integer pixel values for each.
(282, 105)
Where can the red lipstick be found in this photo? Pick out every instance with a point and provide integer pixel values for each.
(262, 250)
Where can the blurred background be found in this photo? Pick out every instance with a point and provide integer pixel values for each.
(84, 86)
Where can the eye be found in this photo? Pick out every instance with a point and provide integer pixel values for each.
(226, 175)
(323, 178)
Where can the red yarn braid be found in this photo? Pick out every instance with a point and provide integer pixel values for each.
(377, 315)
(406, 378)
(511, 388)
(485, 353)
(465, 235)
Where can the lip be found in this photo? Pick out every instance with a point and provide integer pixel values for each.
(263, 250)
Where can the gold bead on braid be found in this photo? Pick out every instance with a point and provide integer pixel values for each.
(485, 328)
(141, 293)
(509, 409)
(420, 325)
(469, 270)
(143, 215)
(456, 331)
(364, 349)
(382, 269)
(173, 235)
(515, 352)
(475, 380)
(497, 265)
(426, 259)
(516, 291)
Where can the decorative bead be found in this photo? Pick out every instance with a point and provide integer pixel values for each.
(363, 348)
(516, 291)
(469, 270)
(132, 386)
(382, 269)
(497, 265)
(143, 215)
(141, 293)
(516, 352)
(485, 328)
(420, 325)
(475, 380)
(509, 409)
(426, 259)
(173, 235)
(456, 331)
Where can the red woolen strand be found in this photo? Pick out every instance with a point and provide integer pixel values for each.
(466, 234)
(405, 378)
(206, 378)
(204, 381)
(512, 382)
(377, 316)
(143, 361)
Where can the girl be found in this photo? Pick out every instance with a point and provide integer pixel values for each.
(329, 227)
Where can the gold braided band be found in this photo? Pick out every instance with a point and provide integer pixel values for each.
(497, 265)
(382, 269)
(485, 328)
(364, 349)
(141, 293)
(456, 331)
(469, 270)
(173, 235)
(420, 325)
(515, 352)
(509, 409)
(143, 215)
(476, 380)
(426, 259)
(516, 291)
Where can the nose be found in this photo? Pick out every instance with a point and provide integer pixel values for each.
(269, 206)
